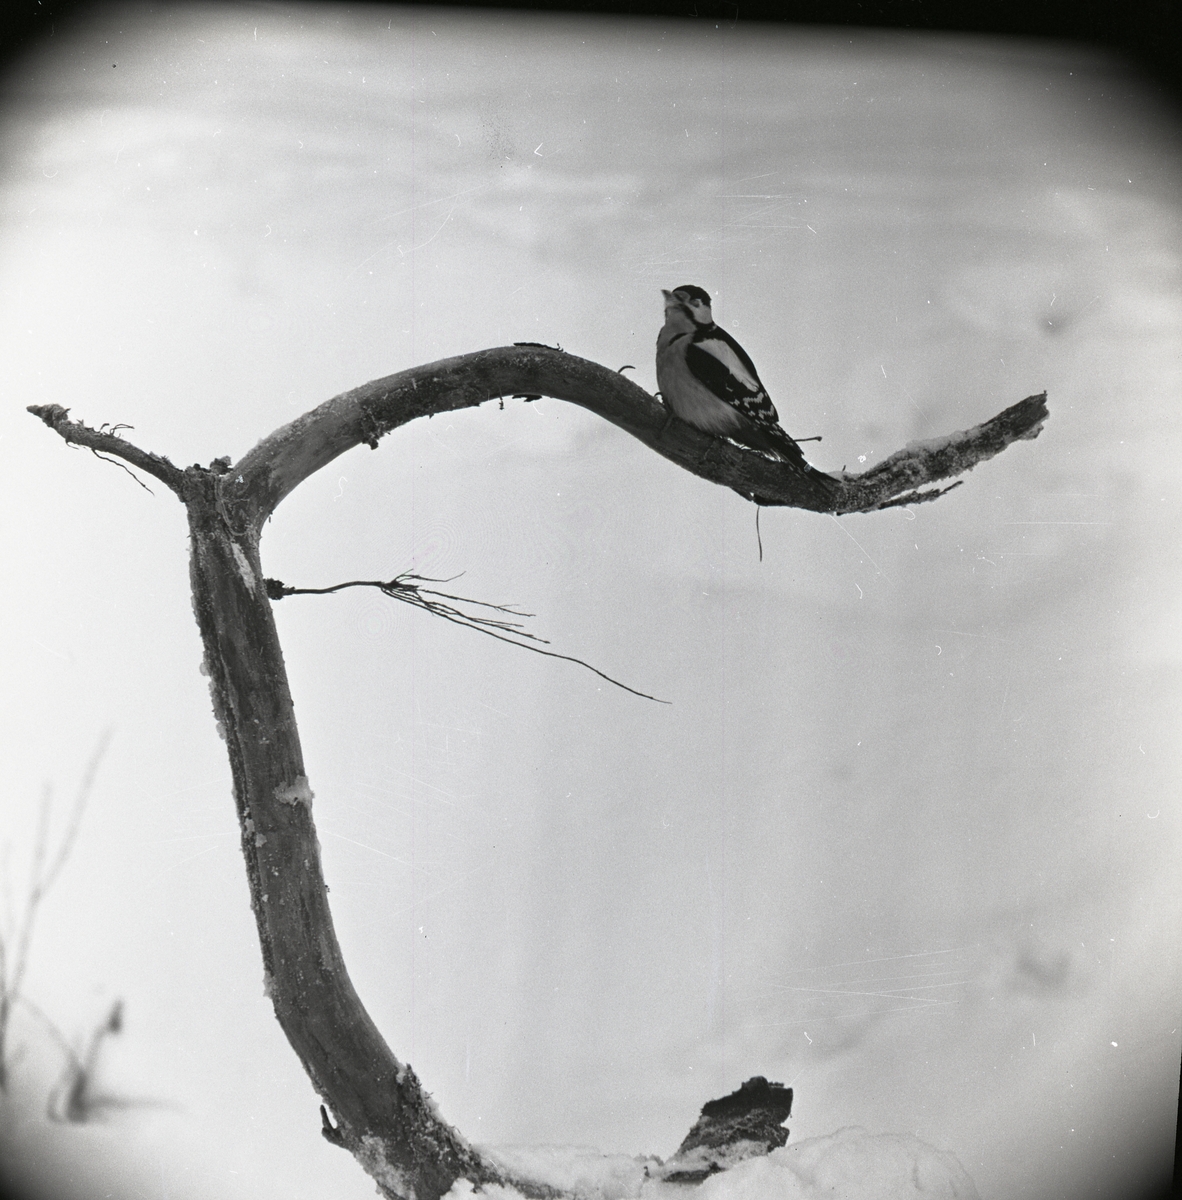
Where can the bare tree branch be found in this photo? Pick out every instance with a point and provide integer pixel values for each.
(891, 482)
(108, 441)
(374, 1105)
(280, 462)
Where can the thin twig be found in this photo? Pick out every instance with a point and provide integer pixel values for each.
(909, 498)
(54, 1032)
(408, 589)
(12, 971)
(108, 440)
(84, 789)
(116, 463)
(24, 935)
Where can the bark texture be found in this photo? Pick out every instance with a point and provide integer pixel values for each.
(364, 415)
(382, 1114)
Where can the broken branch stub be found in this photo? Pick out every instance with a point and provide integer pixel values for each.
(746, 1124)
(382, 1114)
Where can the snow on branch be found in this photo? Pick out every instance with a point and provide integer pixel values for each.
(894, 480)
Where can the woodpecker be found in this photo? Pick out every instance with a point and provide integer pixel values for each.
(709, 381)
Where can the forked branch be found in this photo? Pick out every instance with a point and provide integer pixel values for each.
(255, 485)
(379, 1110)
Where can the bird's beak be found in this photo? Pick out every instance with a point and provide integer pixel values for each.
(667, 295)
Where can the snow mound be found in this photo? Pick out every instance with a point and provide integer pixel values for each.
(850, 1164)
(576, 1170)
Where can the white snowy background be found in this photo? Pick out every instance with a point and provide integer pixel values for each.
(907, 836)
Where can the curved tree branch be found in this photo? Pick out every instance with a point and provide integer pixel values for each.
(256, 484)
(280, 462)
(382, 1114)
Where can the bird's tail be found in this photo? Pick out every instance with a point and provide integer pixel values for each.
(776, 441)
(786, 447)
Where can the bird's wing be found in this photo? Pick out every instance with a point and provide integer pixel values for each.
(722, 365)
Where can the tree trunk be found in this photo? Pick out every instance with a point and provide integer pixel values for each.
(383, 1116)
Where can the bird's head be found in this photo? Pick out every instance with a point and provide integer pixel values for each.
(690, 301)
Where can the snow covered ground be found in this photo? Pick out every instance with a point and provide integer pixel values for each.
(849, 1163)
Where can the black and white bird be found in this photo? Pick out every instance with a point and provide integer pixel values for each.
(709, 381)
